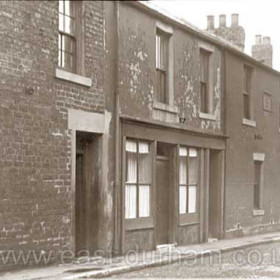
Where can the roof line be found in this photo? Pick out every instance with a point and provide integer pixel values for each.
(146, 6)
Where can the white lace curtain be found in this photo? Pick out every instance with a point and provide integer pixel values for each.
(188, 179)
(144, 175)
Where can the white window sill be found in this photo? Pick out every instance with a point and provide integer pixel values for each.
(249, 122)
(258, 212)
(207, 116)
(74, 78)
(165, 107)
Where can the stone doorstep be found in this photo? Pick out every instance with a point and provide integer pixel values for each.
(167, 261)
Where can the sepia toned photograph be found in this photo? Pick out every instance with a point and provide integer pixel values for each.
(139, 139)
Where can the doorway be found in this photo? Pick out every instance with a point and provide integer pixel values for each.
(86, 194)
(163, 193)
(216, 178)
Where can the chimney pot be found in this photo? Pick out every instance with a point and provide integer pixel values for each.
(210, 22)
(266, 40)
(223, 20)
(234, 20)
(258, 39)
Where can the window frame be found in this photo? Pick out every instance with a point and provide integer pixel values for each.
(189, 218)
(69, 35)
(267, 95)
(247, 92)
(205, 108)
(166, 31)
(138, 222)
(76, 37)
(257, 185)
(209, 49)
(162, 45)
(258, 161)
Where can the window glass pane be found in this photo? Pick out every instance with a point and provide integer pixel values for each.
(257, 172)
(67, 8)
(130, 201)
(183, 151)
(247, 79)
(157, 51)
(68, 44)
(246, 106)
(192, 199)
(257, 183)
(193, 166)
(192, 152)
(159, 90)
(59, 58)
(183, 170)
(202, 66)
(68, 61)
(69, 25)
(163, 87)
(59, 41)
(144, 148)
(62, 59)
(145, 163)
(61, 10)
(131, 167)
(131, 146)
(163, 52)
(61, 21)
(144, 201)
(182, 199)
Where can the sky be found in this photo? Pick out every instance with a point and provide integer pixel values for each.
(256, 16)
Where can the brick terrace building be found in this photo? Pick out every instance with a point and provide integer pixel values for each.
(125, 128)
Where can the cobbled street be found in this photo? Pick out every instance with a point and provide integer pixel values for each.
(254, 262)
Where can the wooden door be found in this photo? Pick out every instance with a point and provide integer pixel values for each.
(162, 207)
(80, 204)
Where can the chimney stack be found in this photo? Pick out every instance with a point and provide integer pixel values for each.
(258, 39)
(234, 20)
(210, 23)
(262, 50)
(266, 40)
(234, 34)
(223, 21)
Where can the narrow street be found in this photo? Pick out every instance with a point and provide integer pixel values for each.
(254, 262)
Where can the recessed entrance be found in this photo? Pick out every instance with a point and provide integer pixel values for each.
(215, 194)
(163, 190)
(86, 193)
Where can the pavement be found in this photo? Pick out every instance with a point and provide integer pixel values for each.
(105, 267)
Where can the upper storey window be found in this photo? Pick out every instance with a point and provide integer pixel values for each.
(162, 66)
(247, 85)
(67, 36)
(205, 96)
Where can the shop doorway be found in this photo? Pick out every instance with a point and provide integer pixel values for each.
(164, 195)
(216, 178)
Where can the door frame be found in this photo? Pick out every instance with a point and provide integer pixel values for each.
(172, 213)
(205, 202)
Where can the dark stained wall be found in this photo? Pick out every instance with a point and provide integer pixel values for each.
(245, 140)
(138, 73)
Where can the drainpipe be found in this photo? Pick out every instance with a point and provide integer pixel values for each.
(117, 131)
(225, 132)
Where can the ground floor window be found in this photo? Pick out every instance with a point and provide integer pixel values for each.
(188, 180)
(257, 184)
(138, 179)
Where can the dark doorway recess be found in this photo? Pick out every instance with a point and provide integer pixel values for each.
(86, 193)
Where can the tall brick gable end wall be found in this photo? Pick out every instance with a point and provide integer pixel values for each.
(35, 144)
